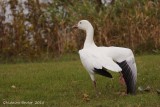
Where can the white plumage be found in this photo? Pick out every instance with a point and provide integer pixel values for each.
(100, 59)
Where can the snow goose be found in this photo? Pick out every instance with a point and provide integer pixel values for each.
(98, 60)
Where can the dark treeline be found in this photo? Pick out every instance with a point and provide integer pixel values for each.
(45, 31)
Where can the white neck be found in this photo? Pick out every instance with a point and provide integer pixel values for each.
(89, 42)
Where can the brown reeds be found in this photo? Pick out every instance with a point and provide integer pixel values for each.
(134, 24)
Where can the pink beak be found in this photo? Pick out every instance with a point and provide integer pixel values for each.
(75, 26)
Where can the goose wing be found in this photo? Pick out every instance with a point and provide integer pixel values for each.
(129, 71)
(125, 59)
(130, 75)
(94, 59)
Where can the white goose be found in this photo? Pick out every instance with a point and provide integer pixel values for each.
(97, 60)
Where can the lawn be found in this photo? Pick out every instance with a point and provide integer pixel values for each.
(65, 83)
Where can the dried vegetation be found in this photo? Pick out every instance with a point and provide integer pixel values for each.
(129, 23)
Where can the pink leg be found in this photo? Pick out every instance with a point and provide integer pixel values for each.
(121, 79)
(94, 83)
(122, 82)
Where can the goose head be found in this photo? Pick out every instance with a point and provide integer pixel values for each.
(88, 28)
(83, 25)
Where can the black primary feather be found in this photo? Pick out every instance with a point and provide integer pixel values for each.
(128, 77)
(102, 72)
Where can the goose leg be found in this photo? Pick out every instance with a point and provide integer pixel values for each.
(122, 82)
(95, 85)
(95, 88)
(121, 79)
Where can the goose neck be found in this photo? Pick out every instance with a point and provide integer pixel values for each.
(89, 38)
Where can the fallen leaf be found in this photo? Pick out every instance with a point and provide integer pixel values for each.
(13, 86)
(140, 88)
(147, 89)
(86, 97)
(158, 91)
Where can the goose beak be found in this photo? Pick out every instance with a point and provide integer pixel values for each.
(75, 26)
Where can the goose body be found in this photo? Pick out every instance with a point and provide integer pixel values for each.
(98, 60)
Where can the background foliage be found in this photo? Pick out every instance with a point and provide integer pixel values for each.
(129, 23)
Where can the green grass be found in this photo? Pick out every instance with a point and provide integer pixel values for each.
(62, 83)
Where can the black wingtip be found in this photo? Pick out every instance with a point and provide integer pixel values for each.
(128, 77)
(102, 72)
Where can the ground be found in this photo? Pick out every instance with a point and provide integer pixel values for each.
(65, 83)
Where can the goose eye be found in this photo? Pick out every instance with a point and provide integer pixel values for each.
(80, 22)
